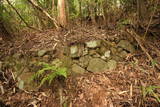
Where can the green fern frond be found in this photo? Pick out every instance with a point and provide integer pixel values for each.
(44, 80)
(54, 72)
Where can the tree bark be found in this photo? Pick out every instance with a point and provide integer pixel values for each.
(62, 13)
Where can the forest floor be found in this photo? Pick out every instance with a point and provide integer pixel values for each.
(134, 83)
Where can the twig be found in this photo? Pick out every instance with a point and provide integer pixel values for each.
(149, 23)
(2, 89)
(136, 37)
(44, 12)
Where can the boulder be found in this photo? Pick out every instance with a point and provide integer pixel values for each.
(76, 51)
(85, 51)
(92, 52)
(93, 44)
(117, 58)
(102, 50)
(126, 45)
(84, 61)
(112, 64)
(42, 53)
(123, 54)
(97, 65)
(113, 51)
(76, 69)
(24, 80)
(107, 54)
(57, 62)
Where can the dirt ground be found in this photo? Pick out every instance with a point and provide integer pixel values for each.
(127, 86)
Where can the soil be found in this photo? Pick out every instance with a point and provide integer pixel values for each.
(116, 88)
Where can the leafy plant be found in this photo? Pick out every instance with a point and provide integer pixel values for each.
(53, 71)
(150, 90)
(153, 63)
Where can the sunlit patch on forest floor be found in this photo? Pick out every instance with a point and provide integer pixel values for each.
(134, 83)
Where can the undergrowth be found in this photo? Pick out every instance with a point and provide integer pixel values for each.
(48, 73)
(150, 91)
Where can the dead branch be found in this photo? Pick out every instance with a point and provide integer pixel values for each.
(149, 23)
(44, 12)
(21, 16)
(137, 38)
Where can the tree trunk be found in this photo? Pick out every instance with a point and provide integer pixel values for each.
(53, 8)
(62, 18)
(141, 10)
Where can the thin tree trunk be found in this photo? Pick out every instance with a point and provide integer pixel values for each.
(62, 13)
(53, 8)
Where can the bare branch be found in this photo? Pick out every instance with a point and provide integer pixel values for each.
(21, 16)
(44, 12)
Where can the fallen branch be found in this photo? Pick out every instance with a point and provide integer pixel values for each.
(149, 23)
(44, 12)
(137, 38)
(153, 47)
(21, 17)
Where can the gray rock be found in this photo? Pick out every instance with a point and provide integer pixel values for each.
(107, 54)
(57, 62)
(76, 50)
(119, 49)
(123, 54)
(112, 64)
(76, 69)
(84, 61)
(93, 44)
(117, 58)
(102, 50)
(85, 51)
(42, 53)
(103, 57)
(92, 52)
(113, 50)
(126, 45)
(97, 65)
(24, 81)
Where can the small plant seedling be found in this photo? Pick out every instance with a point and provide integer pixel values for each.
(153, 63)
(53, 71)
(150, 90)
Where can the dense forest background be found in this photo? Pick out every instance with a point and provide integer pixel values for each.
(47, 14)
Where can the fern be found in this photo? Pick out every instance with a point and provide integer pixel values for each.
(54, 72)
